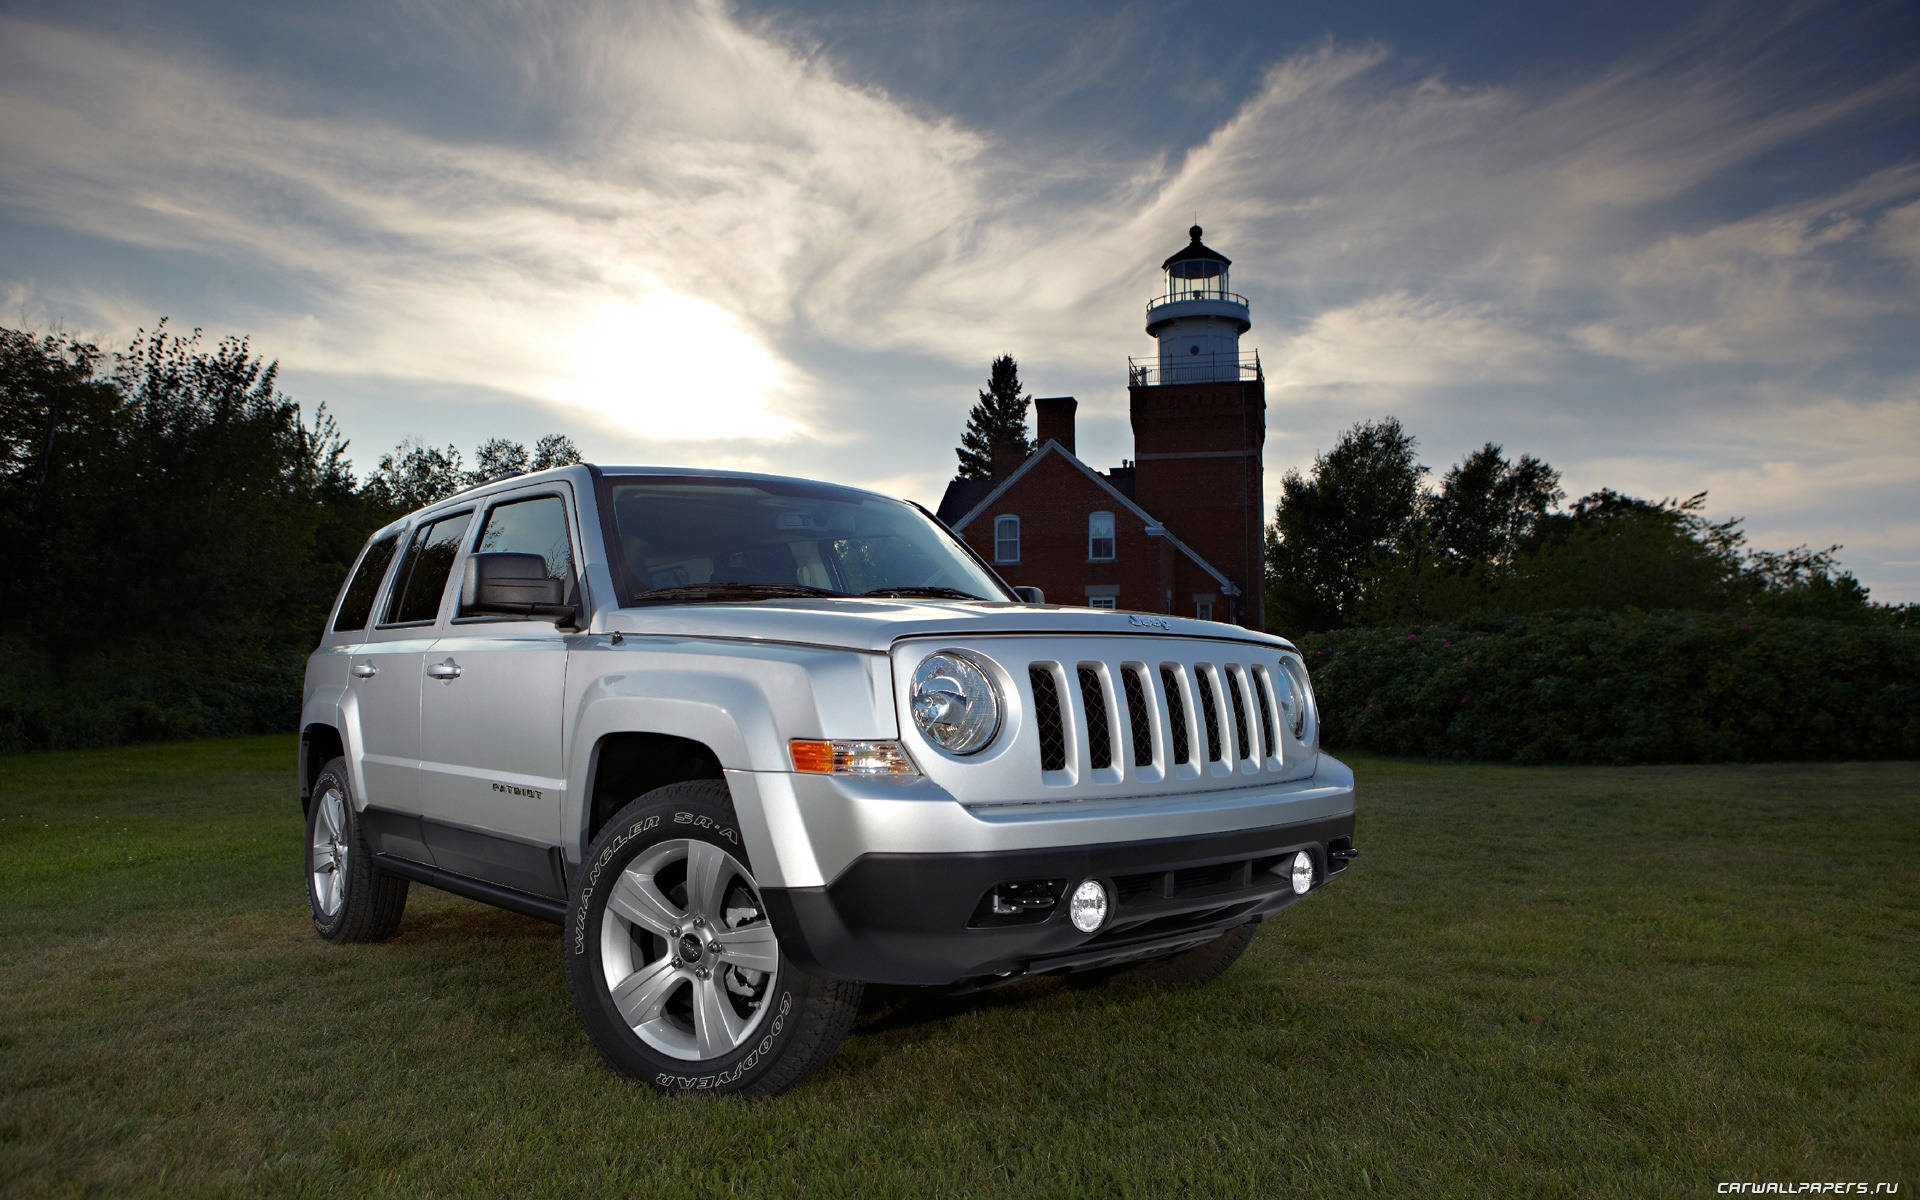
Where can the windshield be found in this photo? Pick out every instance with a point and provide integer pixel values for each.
(679, 540)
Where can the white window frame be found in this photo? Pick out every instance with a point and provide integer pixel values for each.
(1001, 527)
(1103, 601)
(1203, 608)
(1094, 523)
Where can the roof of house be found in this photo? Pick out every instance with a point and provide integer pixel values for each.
(984, 492)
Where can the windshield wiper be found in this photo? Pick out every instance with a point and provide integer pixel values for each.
(940, 593)
(696, 592)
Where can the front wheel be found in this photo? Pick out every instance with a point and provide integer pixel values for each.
(677, 973)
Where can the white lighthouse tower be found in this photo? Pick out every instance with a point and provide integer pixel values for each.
(1197, 319)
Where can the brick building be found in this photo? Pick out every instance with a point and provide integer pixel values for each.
(1177, 528)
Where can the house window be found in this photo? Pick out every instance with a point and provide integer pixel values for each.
(1100, 537)
(1203, 607)
(1006, 539)
(1101, 601)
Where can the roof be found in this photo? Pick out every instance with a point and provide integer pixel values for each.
(1194, 250)
(1125, 501)
(962, 495)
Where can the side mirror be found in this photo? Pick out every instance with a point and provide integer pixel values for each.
(1032, 595)
(515, 585)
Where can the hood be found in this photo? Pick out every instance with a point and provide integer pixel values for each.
(874, 625)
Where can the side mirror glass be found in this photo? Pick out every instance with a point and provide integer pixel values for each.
(515, 585)
(1032, 595)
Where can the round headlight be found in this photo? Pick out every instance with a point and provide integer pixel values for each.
(954, 703)
(1296, 698)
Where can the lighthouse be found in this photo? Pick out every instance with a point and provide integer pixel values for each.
(1199, 414)
(1197, 317)
(1175, 530)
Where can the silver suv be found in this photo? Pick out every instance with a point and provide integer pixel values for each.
(753, 742)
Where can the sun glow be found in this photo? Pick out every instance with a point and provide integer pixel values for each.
(674, 367)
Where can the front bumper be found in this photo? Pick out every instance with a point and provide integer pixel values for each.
(925, 918)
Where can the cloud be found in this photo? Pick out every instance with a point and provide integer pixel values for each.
(718, 230)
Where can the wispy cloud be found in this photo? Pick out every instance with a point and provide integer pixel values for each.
(719, 222)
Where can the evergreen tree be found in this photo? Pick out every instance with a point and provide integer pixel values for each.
(1000, 416)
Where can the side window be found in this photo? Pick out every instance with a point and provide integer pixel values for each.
(423, 572)
(1100, 537)
(356, 605)
(536, 526)
(1006, 539)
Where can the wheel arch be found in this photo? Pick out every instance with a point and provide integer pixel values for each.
(630, 763)
(320, 744)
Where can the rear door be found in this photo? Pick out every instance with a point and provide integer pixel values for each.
(386, 674)
(493, 771)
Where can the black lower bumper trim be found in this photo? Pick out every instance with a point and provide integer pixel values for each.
(912, 918)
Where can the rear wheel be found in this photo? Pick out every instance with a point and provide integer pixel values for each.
(677, 973)
(351, 899)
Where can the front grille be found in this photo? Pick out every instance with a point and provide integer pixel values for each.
(1046, 714)
(1181, 723)
(1099, 737)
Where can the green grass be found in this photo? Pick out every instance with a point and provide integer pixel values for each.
(1537, 982)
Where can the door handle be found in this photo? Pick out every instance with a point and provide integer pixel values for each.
(446, 670)
(365, 670)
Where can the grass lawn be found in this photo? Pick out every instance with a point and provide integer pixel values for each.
(1537, 982)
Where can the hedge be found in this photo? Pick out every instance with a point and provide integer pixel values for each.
(1625, 687)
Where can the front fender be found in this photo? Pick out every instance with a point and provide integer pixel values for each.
(743, 701)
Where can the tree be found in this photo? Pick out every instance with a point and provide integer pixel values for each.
(496, 457)
(1359, 503)
(413, 475)
(555, 450)
(1488, 508)
(999, 417)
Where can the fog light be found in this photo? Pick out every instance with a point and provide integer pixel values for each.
(1088, 908)
(1302, 873)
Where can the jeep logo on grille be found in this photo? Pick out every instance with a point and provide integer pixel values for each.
(1149, 622)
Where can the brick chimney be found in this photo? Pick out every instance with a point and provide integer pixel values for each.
(1054, 421)
(1007, 458)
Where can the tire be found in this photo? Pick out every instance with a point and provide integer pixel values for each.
(1202, 964)
(351, 899)
(677, 975)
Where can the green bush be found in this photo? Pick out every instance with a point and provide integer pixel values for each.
(1625, 687)
(141, 690)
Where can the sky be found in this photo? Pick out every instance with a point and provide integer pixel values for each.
(1667, 247)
